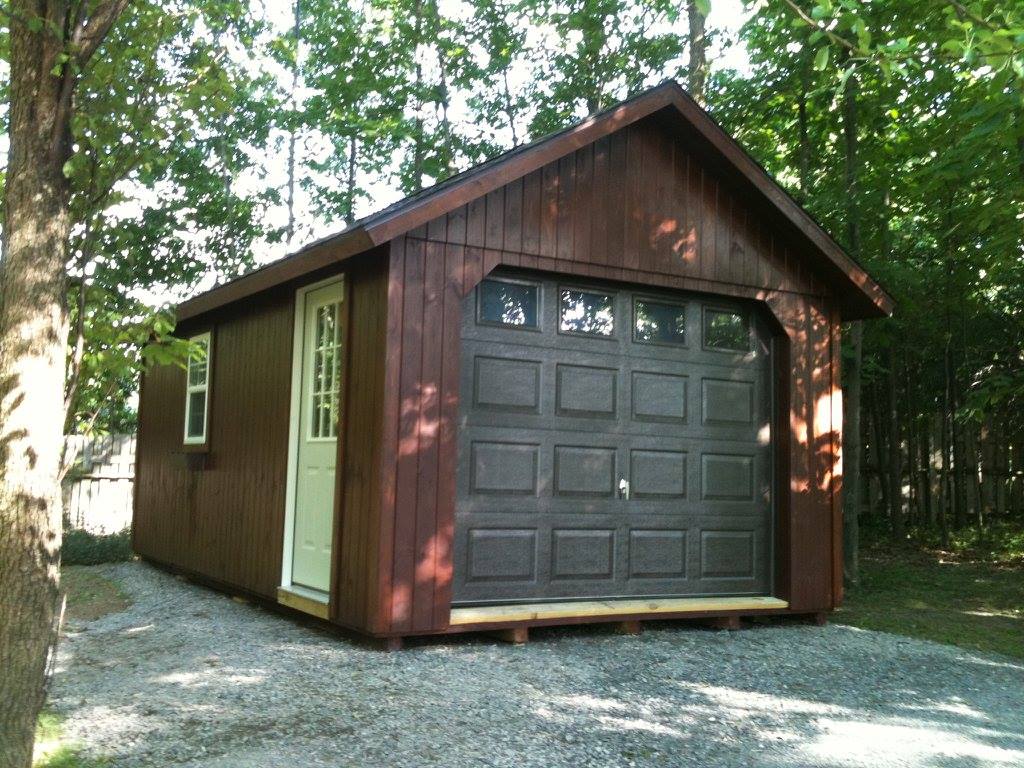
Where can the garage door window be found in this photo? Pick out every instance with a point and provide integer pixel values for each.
(726, 330)
(586, 313)
(656, 322)
(507, 304)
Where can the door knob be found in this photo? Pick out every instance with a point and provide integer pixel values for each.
(624, 488)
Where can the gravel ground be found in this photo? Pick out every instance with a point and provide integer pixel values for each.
(188, 677)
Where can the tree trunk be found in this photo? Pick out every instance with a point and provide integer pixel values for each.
(944, 481)
(697, 70)
(33, 335)
(880, 455)
(804, 146)
(293, 135)
(852, 455)
(33, 338)
(419, 150)
(895, 468)
(349, 213)
(927, 473)
(852, 399)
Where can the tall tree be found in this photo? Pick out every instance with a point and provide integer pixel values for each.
(98, 96)
(697, 66)
(51, 44)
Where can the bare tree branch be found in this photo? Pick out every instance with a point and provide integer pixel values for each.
(837, 39)
(90, 33)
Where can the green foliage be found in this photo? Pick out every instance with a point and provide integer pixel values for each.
(1001, 543)
(939, 198)
(84, 548)
(55, 752)
(383, 79)
(168, 117)
(975, 605)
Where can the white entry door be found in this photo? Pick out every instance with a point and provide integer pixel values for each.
(320, 374)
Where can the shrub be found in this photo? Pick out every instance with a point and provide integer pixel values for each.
(84, 548)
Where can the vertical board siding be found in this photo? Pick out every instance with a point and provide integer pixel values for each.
(638, 206)
(836, 476)
(355, 596)
(426, 285)
(221, 514)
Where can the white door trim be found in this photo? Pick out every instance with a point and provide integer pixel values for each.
(298, 339)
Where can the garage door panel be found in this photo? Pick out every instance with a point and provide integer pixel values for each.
(500, 467)
(728, 554)
(657, 554)
(586, 391)
(587, 471)
(554, 422)
(659, 397)
(501, 554)
(506, 384)
(658, 474)
(582, 554)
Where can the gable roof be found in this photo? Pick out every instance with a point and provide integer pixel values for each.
(858, 294)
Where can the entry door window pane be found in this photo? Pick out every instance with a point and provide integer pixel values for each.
(586, 312)
(659, 323)
(726, 330)
(325, 370)
(507, 303)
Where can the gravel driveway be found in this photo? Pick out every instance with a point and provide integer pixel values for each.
(188, 677)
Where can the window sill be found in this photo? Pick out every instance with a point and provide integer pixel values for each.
(195, 448)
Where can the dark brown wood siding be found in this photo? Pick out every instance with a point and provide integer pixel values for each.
(357, 515)
(220, 514)
(637, 207)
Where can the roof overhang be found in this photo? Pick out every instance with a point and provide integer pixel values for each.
(862, 297)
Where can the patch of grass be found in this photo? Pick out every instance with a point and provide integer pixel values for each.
(949, 597)
(89, 594)
(53, 751)
(84, 548)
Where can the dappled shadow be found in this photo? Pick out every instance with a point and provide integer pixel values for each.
(186, 676)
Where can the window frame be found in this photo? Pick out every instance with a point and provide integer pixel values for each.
(743, 313)
(538, 293)
(338, 360)
(613, 295)
(190, 389)
(665, 302)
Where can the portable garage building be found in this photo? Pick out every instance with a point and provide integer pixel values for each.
(594, 378)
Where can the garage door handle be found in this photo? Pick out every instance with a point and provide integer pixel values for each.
(624, 488)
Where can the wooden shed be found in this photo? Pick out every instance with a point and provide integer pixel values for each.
(593, 379)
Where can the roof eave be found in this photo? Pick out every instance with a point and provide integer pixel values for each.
(316, 255)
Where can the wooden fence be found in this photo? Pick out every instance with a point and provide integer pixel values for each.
(98, 490)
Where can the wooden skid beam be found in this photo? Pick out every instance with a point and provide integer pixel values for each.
(600, 608)
(730, 623)
(513, 635)
(631, 627)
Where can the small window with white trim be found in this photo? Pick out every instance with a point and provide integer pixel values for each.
(197, 391)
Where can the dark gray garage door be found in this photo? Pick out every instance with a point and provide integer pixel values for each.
(613, 442)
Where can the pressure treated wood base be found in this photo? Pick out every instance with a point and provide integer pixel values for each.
(513, 635)
(491, 614)
(302, 603)
(731, 623)
(632, 627)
